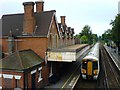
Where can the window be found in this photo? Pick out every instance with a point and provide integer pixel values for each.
(17, 82)
(84, 64)
(95, 65)
(50, 41)
(39, 74)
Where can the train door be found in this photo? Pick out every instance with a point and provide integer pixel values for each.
(89, 68)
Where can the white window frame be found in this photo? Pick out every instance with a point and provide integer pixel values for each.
(7, 76)
(34, 71)
(39, 74)
(17, 77)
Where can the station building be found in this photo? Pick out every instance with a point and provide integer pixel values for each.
(21, 69)
(38, 31)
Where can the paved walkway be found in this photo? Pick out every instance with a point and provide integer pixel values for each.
(115, 56)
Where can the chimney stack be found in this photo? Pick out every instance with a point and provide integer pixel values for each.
(39, 6)
(29, 20)
(63, 20)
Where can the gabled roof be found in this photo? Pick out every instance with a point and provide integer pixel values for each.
(60, 27)
(69, 30)
(14, 22)
(64, 28)
(43, 21)
(21, 60)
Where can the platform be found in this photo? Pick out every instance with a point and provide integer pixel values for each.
(114, 55)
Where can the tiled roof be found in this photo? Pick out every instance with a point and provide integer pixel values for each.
(20, 60)
(14, 22)
(43, 22)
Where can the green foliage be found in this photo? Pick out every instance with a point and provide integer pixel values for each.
(86, 35)
(95, 38)
(115, 29)
(107, 35)
(84, 39)
(113, 34)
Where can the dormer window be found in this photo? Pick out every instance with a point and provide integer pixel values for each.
(53, 26)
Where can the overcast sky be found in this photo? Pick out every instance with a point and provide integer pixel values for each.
(95, 13)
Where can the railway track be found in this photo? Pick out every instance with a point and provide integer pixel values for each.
(109, 76)
(111, 73)
(87, 84)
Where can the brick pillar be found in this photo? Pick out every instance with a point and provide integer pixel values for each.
(13, 82)
(22, 82)
(29, 81)
(36, 79)
(45, 74)
(2, 82)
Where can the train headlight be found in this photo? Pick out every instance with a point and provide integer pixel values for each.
(83, 71)
(95, 72)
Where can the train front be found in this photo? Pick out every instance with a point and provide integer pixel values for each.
(90, 68)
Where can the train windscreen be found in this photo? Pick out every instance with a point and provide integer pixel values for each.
(95, 65)
(84, 65)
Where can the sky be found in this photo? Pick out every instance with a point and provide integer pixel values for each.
(95, 13)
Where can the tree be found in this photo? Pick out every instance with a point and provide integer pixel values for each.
(95, 38)
(86, 35)
(107, 36)
(116, 29)
(86, 31)
(84, 39)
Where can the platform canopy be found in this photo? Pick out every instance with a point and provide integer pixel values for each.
(66, 54)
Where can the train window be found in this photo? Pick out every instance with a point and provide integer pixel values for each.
(95, 65)
(84, 65)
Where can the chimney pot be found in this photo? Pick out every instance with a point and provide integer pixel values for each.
(28, 8)
(63, 20)
(28, 3)
(39, 6)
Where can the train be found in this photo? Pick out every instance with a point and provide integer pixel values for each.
(90, 66)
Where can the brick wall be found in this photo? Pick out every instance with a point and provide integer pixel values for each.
(53, 39)
(4, 45)
(38, 45)
(10, 83)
